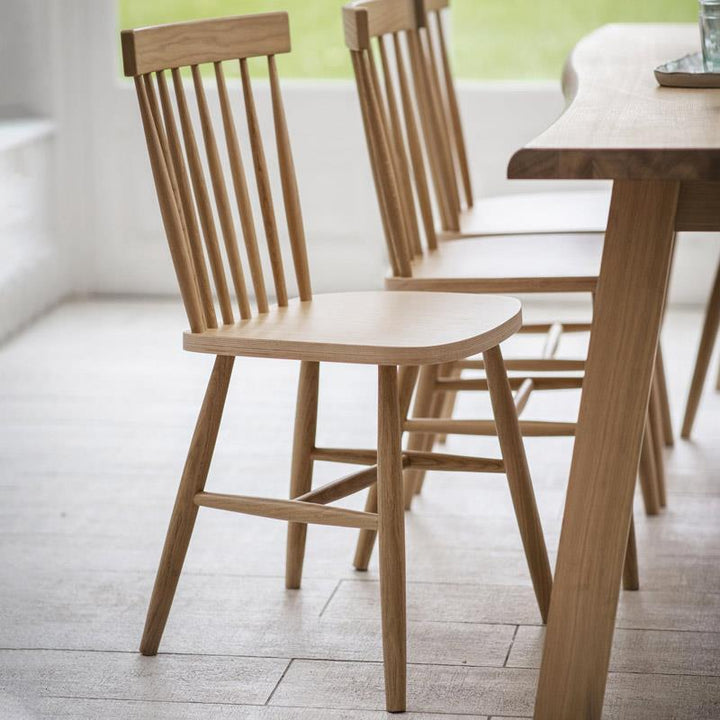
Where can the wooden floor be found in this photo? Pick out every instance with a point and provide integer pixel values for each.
(92, 441)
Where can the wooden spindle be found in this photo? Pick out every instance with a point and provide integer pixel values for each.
(202, 200)
(448, 220)
(386, 171)
(186, 203)
(263, 186)
(454, 111)
(437, 103)
(393, 156)
(291, 197)
(421, 186)
(400, 152)
(242, 197)
(221, 198)
(370, 136)
(170, 215)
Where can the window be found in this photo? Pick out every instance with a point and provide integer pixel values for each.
(491, 39)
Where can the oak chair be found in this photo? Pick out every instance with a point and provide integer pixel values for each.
(557, 213)
(465, 214)
(397, 159)
(468, 215)
(702, 362)
(408, 331)
(406, 119)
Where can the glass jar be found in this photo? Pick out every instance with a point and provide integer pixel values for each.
(710, 34)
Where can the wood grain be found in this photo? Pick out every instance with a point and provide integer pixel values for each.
(169, 46)
(184, 513)
(610, 88)
(391, 538)
(602, 480)
(370, 327)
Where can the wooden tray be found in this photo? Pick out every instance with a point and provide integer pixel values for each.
(689, 71)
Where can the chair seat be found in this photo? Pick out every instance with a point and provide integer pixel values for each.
(509, 264)
(381, 328)
(545, 212)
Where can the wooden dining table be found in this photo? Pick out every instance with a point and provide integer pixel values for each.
(661, 148)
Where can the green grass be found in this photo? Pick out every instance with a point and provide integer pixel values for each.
(493, 39)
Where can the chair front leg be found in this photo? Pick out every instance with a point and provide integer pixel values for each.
(301, 469)
(184, 512)
(391, 536)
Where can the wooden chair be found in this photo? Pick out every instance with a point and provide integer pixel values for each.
(467, 215)
(390, 330)
(569, 213)
(410, 156)
(702, 362)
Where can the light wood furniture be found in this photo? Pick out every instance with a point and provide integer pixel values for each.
(546, 212)
(702, 362)
(661, 147)
(467, 215)
(402, 117)
(389, 330)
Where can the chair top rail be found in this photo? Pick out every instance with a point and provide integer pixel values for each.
(434, 5)
(366, 19)
(161, 47)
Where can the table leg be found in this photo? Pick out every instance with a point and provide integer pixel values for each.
(616, 388)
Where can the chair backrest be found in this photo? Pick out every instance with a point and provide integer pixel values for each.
(178, 170)
(414, 151)
(445, 81)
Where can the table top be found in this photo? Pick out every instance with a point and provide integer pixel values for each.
(619, 123)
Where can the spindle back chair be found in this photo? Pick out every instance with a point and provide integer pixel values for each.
(185, 200)
(410, 330)
(573, 212)
(404, 167)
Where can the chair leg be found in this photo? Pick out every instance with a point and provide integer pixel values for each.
(451, 371)
(707, 341)
(436, 410)
(391, 533)
(518, 475)
(366, 538)
(648, 479)
(184, 512)
(658, 445)
(302, 466)
(631, 575)
(422, 408)
(407, 377)
(664, 399)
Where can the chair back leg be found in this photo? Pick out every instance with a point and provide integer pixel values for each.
(422, 408)
(707, 342)
(631, 575)
(648, 474)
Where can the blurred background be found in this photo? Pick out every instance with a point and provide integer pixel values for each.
(78, 211)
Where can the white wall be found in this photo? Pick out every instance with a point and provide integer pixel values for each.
(33, 272)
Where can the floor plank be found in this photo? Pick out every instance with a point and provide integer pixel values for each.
(92, 442)
(643, 651)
